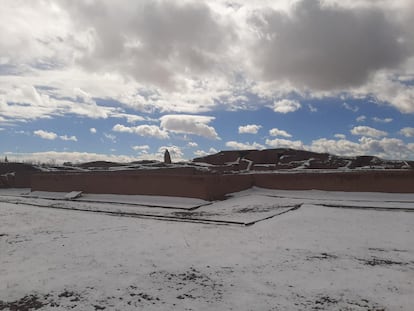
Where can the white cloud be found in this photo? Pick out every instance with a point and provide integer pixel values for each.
(92, 130)
(277, 132)
(142, 130)
(306, 44)
(123, 129)
(202, 153)
(284, 143)
(361, 118)
(384, 120)
(389, 148)
(386, 90)
(212, 150)
(367, 131)
(189, 124)
(45, 135)
(249, 129)
(242, 146)
(149, 56)
(131, 118)
(154, 42)
(350, 107)
(111, 137)
(74, 157)
(407, 131)
(286, 106)
(337, 147)
(68, 138)
(192, 144)
(340, 136)
(153, 59)
(21, 101)
(141, 148)
(312, 108)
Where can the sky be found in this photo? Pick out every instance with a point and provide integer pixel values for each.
(124, 80)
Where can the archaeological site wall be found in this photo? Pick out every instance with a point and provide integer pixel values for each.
(217, 186)
(357, 181)
(207, 187)
(15, 175)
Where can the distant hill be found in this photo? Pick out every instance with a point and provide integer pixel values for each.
(285, 159)
(99, 164)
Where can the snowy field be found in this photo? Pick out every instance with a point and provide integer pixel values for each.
(333, 251)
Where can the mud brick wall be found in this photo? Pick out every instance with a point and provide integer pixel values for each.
(19, 180)
(374, 181)
(212, 187)
(16, 175)
(218, 186)
(207, 187)
(122, 183)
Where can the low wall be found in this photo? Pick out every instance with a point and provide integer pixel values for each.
(213, 187)
(16, 175)
(16, 180)
(207, 187)
(362, 181)
(123, 183)
(218, 186)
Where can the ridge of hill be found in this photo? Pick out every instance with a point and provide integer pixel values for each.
(285, 159)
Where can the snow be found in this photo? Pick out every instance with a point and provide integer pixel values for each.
(311, 258)
(146, 200)
(73, 195)
(14, 191)
(244, 210)
(237, 162)
(249, 165)
(321, 195)
(304, 164)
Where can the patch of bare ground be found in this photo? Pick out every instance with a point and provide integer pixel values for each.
(375, 261)
(335, 302)
(324, 302)
(26, 303)
(322, 256)
(191, 284)
(168, 289)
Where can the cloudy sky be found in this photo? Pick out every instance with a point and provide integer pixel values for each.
(123, 80)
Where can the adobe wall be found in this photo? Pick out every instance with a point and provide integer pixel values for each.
(367, 181)
(15, 175)
(123, 183)
(157, 171)
(18, 180)
(212, 187)
(207, 187)
(218, 186)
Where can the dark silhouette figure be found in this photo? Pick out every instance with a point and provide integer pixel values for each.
(167, 157)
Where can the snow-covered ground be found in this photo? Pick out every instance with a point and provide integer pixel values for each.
(315, 257)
